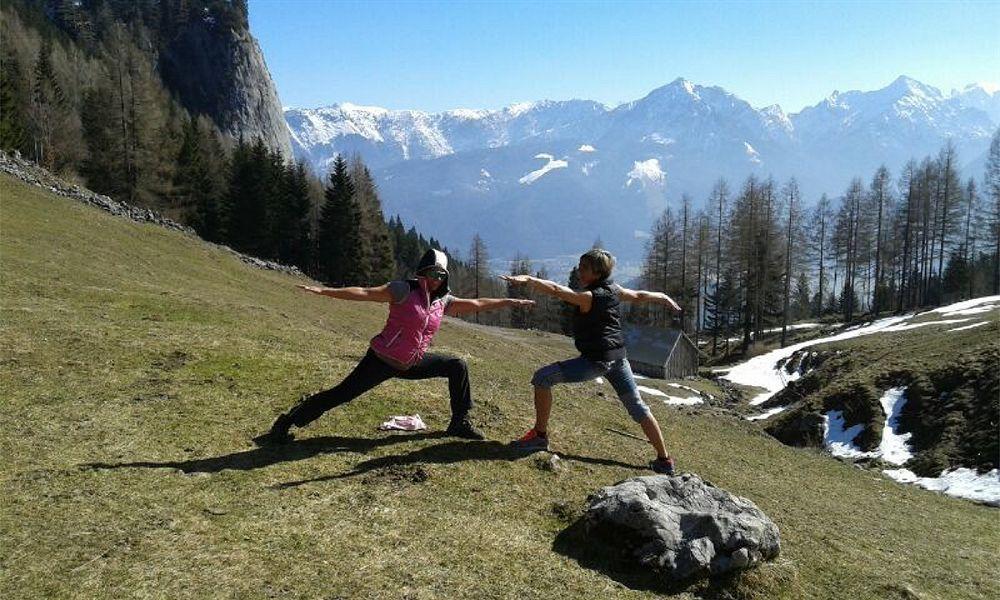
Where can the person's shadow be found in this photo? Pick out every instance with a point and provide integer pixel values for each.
(268, 455)
(444, 453)
(447, 453)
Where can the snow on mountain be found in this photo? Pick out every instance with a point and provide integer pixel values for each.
(550, 166)
(981, 96)
(694, 133)
(646, 173)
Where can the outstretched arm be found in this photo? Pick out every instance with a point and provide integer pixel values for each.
(581, 299)
(642, 297)
(372, 294)
(466, 306)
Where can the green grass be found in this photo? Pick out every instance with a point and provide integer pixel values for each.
(138, 363)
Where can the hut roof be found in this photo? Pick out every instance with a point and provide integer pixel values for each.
(651, 345)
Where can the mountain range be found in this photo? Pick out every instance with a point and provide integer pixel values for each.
(547, 178)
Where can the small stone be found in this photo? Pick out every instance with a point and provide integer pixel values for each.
(741, 558)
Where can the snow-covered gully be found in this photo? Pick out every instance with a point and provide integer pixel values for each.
(764, 372)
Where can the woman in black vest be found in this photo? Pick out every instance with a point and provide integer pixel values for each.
(597, 333)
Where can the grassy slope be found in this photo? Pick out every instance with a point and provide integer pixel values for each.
(126, 343)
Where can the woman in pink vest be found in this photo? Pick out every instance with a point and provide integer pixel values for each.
(416, 308)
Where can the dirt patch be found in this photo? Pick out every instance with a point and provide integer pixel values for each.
(399, 475)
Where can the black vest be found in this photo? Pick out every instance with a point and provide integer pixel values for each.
(598, 332)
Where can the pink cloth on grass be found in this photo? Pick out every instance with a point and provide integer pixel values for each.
(404, 423)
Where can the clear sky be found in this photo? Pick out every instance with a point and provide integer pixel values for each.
(439, 55)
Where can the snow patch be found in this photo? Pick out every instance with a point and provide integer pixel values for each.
(678, 401)
(974, 325)
(652, 391)
(968, 307)
(587, 148)
(961, 483)
(754, 156)
(552, 165)
(673, 400)
(840, 441)
(762, 371)
(894, 447)
(646, 172)
(767, 413)
(684, 387)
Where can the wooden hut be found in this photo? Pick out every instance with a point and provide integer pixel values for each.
(662, 353)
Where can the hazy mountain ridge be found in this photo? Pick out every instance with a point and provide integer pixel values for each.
(459, 171)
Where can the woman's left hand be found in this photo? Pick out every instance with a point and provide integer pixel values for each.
(516, 279)
(520, 302)
(310, 288)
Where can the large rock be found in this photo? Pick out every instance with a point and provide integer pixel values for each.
(681, 526)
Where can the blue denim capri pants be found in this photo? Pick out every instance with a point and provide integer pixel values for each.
(618, 373)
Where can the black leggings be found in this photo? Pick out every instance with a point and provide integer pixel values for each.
(372, 371)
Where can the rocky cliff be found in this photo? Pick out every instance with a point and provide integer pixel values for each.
(220, 72)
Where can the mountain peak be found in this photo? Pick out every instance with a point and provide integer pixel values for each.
(907, 86)
(684, 84)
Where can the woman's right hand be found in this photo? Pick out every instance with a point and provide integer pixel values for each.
(310, 288)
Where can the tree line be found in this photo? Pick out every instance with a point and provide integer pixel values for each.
(757, 259)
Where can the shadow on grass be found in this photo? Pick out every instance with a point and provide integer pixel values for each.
(268, 455)
(594, 553)
(447, 453)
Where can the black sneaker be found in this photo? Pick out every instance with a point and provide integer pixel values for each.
(663, 466)
(464, 429)
(278, 434)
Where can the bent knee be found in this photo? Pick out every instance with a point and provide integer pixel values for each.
(637, 408)
(458, 365)
(546, 377)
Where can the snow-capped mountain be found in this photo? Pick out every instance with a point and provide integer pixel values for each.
(384, 137)
(547, 178)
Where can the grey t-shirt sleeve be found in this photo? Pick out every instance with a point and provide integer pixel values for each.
(447, 298)
(617, 289)
(399, 290)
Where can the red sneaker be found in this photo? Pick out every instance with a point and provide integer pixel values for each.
(531, 441)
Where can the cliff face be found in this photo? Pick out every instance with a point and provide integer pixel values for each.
(220, 72)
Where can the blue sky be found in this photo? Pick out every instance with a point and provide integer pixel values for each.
(439, 55)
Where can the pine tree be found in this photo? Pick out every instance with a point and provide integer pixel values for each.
(802, 307)
(720, 196)
(376, 242)
(338, 242)
(950, 193)
(791, 193)
(12, 101)
(880, 195)
(991, 189)
(520, 317)
(822, 216)
(478, 262)
(48, 103)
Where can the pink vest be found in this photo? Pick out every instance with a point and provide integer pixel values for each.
(409, 329)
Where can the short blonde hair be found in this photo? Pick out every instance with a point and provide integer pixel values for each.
(600, 261)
